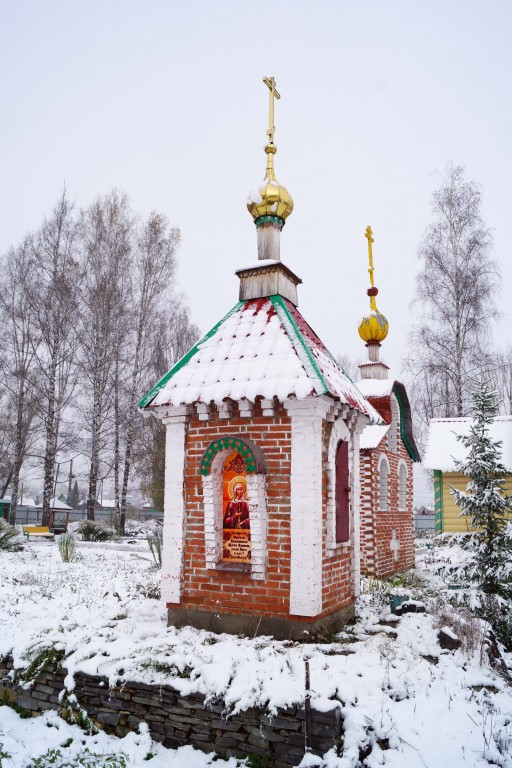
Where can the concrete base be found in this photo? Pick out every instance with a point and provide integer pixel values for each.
(251, 626)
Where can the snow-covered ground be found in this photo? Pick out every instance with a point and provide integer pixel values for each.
(23, 742)
(404, 700)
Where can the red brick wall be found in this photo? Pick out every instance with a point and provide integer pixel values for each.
(237, 593)
(377, 525)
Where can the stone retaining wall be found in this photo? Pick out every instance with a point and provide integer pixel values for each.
(176, 720)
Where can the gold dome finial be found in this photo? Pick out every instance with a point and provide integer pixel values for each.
(374, 327)
(271, 202)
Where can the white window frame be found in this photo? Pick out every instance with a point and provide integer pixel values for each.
(214, 515)
(402, 487)
(381, 491)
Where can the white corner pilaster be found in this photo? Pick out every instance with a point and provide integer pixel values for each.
(357, 426)
(173, 546)
(306, 504)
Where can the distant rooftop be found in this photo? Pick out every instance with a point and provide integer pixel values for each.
(443, 449)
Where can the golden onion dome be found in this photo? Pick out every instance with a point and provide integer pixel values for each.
(270, 199)
(374, 326)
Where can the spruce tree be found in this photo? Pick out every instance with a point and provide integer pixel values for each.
(75, 496)
(484, 500)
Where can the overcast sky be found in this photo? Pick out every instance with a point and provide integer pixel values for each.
(165, 101)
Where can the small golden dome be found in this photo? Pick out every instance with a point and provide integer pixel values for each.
(270, 199)
(374, 327)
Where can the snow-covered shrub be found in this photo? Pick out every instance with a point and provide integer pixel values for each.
(470, 630)
(66, 544)
(141, 529)
(498, 613)
(55, 758)
(9, 537)
(91, 530)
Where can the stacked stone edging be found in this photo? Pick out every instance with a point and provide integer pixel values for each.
(177, 720)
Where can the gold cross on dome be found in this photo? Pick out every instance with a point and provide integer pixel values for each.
(369, 235)
(273, 94)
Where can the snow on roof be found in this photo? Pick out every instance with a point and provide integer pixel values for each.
(262, 348)
(55, 504)
(372, 435)
(108, 503)
(376, 387)
(443, 448)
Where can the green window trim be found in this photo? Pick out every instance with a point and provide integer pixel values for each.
(438, 499)
(228, 444)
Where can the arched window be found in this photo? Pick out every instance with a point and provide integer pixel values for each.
(395, 425)
(383, 484)
(402, 487)
(342, 493)
(235, 519)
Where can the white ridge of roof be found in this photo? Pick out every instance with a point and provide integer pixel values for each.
(376, 387)
(444, 450)
(372, 435)
(55, 504)
(261, 349)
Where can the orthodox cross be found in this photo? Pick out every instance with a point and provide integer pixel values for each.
(368, 234)
(273, 94)
(394, 545)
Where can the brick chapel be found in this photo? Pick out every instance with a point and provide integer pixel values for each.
(262, 502)
(387, 454)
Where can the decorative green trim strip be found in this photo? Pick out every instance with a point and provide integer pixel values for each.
(438, 497)
(230, 444)
(184, 360)
(403, 434)
(268, 219)
(299, 344)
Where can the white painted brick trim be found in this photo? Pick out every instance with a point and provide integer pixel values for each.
(306, 504)
(173, 546)
(355, 504)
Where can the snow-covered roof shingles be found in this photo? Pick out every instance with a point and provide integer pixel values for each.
(261, 348)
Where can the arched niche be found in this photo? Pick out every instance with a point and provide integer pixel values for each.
(233, 473)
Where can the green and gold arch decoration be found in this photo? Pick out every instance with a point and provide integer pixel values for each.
(251, 455)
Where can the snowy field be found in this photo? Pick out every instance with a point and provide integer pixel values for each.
(404, 700)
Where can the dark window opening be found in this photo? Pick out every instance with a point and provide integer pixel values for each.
(342, 494)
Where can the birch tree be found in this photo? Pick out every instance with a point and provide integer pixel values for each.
(20, 341)
(154, 265)
(455, 298)
(55, 302)
(106, 235)
(173, 335)
(503, 377)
